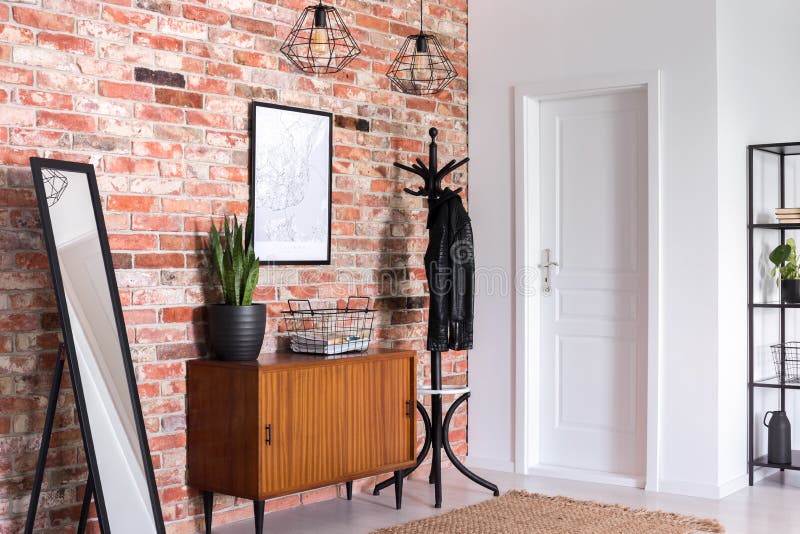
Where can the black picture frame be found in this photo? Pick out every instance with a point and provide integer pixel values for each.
(37, 165)
(254, 126)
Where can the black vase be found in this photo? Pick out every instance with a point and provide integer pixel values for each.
(790, 291)
(779, 438)
(235, 333)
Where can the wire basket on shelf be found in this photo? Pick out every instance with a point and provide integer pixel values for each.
(791, 354)
(329, 330)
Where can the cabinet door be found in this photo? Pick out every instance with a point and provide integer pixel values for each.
(380, 418)
(223, 428)
(304, 409)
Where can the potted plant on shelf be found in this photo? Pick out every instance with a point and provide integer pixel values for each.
(786, 271)
(236, 328)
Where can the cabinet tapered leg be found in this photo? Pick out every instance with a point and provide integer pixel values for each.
(398, 489)
(258, 510)
(208, 506)
(349, 487)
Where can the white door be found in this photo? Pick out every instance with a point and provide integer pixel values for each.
(593, 346)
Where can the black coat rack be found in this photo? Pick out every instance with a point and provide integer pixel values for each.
(436, 430)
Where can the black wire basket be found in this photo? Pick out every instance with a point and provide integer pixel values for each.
(790, 352)
(329, 330)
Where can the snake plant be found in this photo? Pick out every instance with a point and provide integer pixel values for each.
(235, 261)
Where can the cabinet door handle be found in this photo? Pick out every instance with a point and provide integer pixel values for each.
(409, 409)
(269, 434)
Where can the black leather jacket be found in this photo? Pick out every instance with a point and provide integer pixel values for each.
(450, 268)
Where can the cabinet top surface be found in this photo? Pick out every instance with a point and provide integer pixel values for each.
(289, 359)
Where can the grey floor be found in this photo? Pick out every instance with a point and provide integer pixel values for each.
(771, 506)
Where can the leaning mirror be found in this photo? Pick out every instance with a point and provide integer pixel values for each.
(97, 348)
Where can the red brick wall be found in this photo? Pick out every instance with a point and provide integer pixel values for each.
(155, 94)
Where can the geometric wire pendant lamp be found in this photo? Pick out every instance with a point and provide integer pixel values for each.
(421, 67)
(319, 42)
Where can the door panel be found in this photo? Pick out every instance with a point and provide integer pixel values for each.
(378, 427)
(305, 408)
(593, 322)
(604, 370)
(596, 183)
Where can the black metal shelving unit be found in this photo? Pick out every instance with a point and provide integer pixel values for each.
(782, 151)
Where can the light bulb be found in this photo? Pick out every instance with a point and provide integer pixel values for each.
(420, 61)
(420, 64)
(320, 45)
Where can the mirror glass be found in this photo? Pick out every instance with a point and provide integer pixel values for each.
(100, 350)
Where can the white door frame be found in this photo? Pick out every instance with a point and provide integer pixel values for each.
(527, 99)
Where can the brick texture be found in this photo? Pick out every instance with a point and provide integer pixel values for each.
(155, 94)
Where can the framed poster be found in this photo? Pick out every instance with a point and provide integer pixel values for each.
(290, 184)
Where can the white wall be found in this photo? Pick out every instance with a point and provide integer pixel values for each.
(759, 84)
(515, 42)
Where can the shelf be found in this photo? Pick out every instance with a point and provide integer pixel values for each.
(776, 226)
(773, 383)
(783, 153)
(761, 461)
(787, 149)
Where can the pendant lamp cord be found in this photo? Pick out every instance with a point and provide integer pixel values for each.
(420, 17)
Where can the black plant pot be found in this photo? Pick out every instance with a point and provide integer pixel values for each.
(235, 333)
(790, 291)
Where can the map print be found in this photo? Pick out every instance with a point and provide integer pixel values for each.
(292, 185)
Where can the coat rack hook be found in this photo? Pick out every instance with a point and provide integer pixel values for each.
(431, 173)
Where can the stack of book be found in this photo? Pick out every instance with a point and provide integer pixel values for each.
(318, 343)
(788, 215)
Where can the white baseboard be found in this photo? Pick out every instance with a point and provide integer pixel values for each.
(692, 489)
(585, 475)
(740, 482)
(737, 483)
(710, 491)
(495, 464)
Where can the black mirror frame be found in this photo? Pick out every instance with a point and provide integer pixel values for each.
(37, 164)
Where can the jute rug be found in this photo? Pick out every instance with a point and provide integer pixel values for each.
(519, 512)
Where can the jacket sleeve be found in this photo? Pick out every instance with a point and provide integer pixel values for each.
(438, 271)
(462, 261)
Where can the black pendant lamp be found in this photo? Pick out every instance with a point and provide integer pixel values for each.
(319, 42)
(421, 67)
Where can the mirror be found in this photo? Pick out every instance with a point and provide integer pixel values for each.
(97, 347)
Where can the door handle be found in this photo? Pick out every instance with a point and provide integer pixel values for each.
(409, 409)
(545, 267)
(268, 429)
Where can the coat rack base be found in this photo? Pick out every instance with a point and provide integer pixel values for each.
(442, 438)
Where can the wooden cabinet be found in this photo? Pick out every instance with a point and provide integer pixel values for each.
(289, 423)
